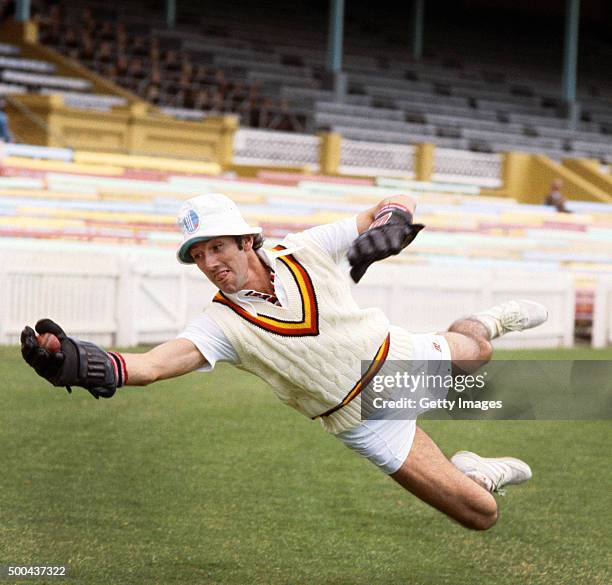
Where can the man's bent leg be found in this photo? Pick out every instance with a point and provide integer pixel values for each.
(430, 476)
(469, 339)
(470, 345)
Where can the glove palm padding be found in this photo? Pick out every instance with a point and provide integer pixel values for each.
(78, 363)
(380, 242)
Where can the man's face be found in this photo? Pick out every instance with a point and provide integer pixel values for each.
(223, 263)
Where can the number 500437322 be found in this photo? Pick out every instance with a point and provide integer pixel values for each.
(29, 571)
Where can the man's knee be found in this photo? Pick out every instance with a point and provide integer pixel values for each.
(481, 519)
(467, 350)
(486, 349)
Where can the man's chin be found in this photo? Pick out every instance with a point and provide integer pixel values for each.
(227, 288)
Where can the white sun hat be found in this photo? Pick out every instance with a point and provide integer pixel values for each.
(209, 216)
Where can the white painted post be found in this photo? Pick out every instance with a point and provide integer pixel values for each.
(570, 317)
(181, 309)
(4, 301)
(127, 283)
(599, 332)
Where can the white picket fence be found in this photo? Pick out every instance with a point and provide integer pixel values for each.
(111, 298)
(427, 299)
(114, 297)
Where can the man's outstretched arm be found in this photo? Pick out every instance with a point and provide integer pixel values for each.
(82, 363)
(168, 360)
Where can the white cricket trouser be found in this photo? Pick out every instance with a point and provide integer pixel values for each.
(387, 442)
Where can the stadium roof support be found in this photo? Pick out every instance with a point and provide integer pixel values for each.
(335, 33)
(22, 10)
(570, 59)
(170, 13)
(334, 49)
(418, 18)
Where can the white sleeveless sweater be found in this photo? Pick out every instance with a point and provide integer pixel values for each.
(311, 350)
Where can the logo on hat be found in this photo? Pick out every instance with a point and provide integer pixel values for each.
(190, 222)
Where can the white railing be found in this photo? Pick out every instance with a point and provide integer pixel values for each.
(462, 166)
(358, 157)
(35, 79)
(12, 89)
(74, 99)
(6, 49)
(31, 65)
(44, 152)
(183, 113)
(124, 298)
(265, 147)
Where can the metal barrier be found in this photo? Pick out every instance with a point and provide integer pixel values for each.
(461, 166)
(367, 158)
(266, 147)
(373, 158)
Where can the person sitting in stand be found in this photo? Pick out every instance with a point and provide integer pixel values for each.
(555, 197)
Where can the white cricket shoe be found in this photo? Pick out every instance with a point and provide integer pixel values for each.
(512, 316)
(493, 473)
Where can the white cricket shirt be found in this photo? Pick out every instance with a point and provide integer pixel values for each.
(334, 238)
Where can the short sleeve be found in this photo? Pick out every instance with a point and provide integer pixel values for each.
(335, 238)
(210, 340)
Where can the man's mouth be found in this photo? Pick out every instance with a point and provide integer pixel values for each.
(222, 275)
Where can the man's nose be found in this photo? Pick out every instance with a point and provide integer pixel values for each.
(210, 261)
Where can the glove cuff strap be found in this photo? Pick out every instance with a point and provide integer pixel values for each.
(386, 211)
(121, 374)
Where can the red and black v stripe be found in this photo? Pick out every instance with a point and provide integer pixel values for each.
(308, 325)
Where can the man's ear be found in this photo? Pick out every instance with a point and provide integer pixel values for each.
(247, 242)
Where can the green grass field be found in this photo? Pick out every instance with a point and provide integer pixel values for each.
(208, 479)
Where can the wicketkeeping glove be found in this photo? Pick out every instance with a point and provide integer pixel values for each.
(391, 231)
(78, 363)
